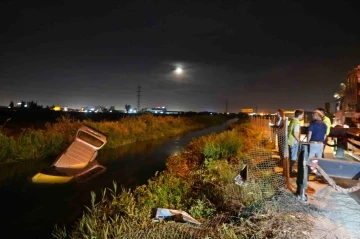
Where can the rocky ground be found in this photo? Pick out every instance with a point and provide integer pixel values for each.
(339, 215)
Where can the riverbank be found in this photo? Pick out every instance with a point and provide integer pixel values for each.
(36, 208)
(200, 181)
(38, 144)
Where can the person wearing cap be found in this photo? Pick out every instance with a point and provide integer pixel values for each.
(316, 135)
(327, 121)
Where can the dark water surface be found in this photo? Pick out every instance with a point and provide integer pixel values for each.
(31, 210)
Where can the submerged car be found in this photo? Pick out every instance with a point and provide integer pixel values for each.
(78, 161)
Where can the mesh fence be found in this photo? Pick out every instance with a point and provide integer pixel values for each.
(266, 167)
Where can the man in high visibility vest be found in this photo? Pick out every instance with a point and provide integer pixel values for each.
(327, 121)
(294, 137)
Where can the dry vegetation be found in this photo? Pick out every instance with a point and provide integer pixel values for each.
(199, 181)
(35, 144)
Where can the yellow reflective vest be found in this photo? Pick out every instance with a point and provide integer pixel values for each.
(327, 121)
(291, 137)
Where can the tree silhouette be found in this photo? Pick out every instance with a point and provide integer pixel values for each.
(11, 104)
(23, 103)
(33, 105)
(127, 108)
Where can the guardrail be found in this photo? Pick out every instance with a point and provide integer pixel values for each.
(333, 168)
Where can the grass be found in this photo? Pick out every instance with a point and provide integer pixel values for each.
(36, 144)
(198, 181)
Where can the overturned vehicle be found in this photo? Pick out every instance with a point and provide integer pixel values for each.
(78, 162)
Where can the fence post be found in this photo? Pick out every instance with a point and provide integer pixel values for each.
(285, 150)
(303, 174)
(341, 143)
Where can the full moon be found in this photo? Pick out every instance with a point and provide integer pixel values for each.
(179, 70)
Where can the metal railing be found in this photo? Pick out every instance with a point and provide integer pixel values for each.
(278, 138)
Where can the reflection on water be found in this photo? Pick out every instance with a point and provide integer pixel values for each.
(107, 155)
(36, 208)
(19, 171)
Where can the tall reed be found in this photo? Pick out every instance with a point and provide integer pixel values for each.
(34, 144)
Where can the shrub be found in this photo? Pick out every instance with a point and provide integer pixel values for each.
(30, 144)
(223, 145)
(164, 190)
(7, 148)
(202, 209)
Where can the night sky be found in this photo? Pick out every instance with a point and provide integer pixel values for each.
(264, 54)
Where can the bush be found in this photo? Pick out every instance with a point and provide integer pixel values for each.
(164, 190)
(202, 209)
(7, 148)
(223, 145)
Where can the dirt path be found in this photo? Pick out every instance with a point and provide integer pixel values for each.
(339, 215)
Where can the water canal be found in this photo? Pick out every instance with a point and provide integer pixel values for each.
(31, 210)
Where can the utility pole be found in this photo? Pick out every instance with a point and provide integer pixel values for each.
(226, 106)
(138, 98)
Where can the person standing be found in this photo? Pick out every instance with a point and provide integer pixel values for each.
(280, 131)
(316, 136)
(327, 121)
(294, 137)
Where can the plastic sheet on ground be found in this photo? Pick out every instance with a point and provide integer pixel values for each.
(164, 213)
